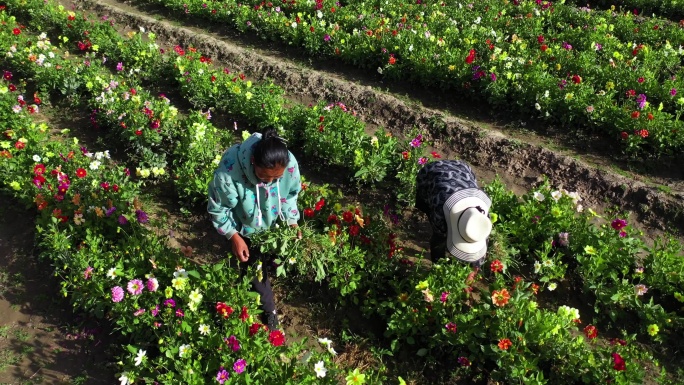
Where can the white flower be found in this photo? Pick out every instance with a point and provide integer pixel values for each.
(94, 165)
(556, 195)
(379, 71)
(180, 273)
(537, 267)
(331, 350)
(575, 197)
(195, 296)
(111, 273)
(140, 357)
(99, 155)
(36, 158)
(548, 263)
(537, 106)
(124, 379)
(319, 14)
(204, 329)
(539, 196)
(568, 312)
(183, 350)
(580, 208)
(324, 341)
(294, 24)
(552, 286)
(320, 369)
(292, 260)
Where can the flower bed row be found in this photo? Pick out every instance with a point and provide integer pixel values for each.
(671, 9)
(598, 71)
(350, 273)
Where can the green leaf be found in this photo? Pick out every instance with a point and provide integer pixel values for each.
(422, 352)
(194, 273)
(132, 349)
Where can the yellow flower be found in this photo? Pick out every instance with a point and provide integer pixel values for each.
(403, 297)
(422, 285)
(610, 86)
(356, 378)
(589, 250)
(452, 67)
(653, 329)
(359, 220)
(15, 185)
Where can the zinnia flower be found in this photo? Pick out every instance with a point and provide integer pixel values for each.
(618, 224)
(451, 327)
(505, 343)
(152, 284)
(640, 289)
(463, 361)
(222, 375)
(276, 338)
(500, 297)
(239, 366)
(117, 294)
(591, 331)
(224, 310)
(496, 266)
(135, 287)
(618, 362)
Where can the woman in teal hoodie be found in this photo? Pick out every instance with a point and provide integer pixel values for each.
(256, 183)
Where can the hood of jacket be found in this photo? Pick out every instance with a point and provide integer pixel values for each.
(245, 157)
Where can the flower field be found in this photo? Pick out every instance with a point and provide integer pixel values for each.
(196, 323)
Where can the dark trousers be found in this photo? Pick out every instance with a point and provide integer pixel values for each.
(263, 286)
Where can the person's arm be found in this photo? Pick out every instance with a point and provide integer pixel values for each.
(292, 188)
(223, 198)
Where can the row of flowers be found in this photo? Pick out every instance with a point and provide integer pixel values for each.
(592, 69)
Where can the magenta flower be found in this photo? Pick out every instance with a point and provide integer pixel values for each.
(618, 224)
(673, 92)
(170, 303)
(422, 160)
(222, 375)
(88, 272)
(152, 284)
(492, 76)
(463, 361)
(139, 312)
(641, 101)
(326, 37)
(155, 311)
(239, 366)
(117, 294)
(122, 220)
(451, 327)
(415, 142)
(444, 296)
(233, 343)
(180, 313)
(119, 66)
(141, 216)
(135, 286)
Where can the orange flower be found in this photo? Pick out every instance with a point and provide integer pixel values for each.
(505, 343)
(500, 297)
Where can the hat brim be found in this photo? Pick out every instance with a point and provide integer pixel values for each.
(453, 208)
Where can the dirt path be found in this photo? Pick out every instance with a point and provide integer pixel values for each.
(40, 339)
(655, 200)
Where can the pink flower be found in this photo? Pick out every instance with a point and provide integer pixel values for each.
(117, 294)
(618, 224)
(139, 312)
(135, 286)
(444, 296)
(239, 366)
(88, 272)
(222, 375)
(152, 284)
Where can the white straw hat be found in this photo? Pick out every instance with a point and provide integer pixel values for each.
(468, 224)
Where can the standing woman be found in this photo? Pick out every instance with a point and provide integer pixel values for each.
(256, 182)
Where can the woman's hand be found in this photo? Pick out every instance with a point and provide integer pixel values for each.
(239, 248)
(299, 232)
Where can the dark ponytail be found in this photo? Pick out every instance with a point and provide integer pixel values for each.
(271, 150)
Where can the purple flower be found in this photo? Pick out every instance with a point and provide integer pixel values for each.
(422, 160)
(415, 143)
(119, 66)
(141, 216)
(641, 101)
(673, 92)
(598, 46)
(326, 38)
(122, 220)
(117, 294)
(222, 375)
(135, 286)
(110, 211)
(170, 303)
(566, 46)
(463, 361)
(444, 296)
(155, 311)
(180, 313)
(493, 76)
(239, 366)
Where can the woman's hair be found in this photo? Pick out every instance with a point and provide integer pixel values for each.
(271, 150)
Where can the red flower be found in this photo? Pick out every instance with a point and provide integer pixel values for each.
(505, 343)
(320, 204)
(19, 145)
(471, 57)
(544, 47)
(576, 79)
(635, 115)
(308, 212)
(243, 314)
(649, 116)
(496, 266)
(224, 310)
(321, 119)
(39, 169)
(624, 135)
(535, 288)
(540, 39)
(332, 218)
(392, 60)
(435, 155)
(276, 338)
(254, 329)
(348, 216)
(81, 173)
(591, 332)
(354, 230)
(138, 132)
(618, 362)
(405, 155)
(16, 31)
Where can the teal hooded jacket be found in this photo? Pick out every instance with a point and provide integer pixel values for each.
(240, 203)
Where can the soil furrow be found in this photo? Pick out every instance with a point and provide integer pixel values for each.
(519, 163)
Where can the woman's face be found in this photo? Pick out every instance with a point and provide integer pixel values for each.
(268, 175)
